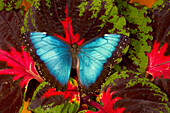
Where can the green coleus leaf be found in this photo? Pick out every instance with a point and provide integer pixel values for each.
(30, 1)
(10, 4)
(134, 90)
(46, 99)
(159, 3)
(138, 23)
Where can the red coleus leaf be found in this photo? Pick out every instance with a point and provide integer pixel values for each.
(108, 102)
(70, 38)
(71, 92)
(22, 66)
(159, 65)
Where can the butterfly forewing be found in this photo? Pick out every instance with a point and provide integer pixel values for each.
(56, 56)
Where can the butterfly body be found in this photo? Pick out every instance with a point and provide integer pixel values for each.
(74, 51)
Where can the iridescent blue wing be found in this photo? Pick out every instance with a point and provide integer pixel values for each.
(95, 58)
(54, 53)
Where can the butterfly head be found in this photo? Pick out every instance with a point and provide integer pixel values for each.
(74, 45)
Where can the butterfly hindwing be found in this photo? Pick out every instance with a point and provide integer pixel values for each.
(55, 55)
(95, 58)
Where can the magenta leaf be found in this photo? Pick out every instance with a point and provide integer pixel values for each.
(159, 64)
(108, 101)
(106, 98)
(70, 38)
(22, 65)
(71, 92)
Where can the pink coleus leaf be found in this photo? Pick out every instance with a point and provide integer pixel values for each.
(108, 102)
(159, 64)
(71, 93)
(22, 65)
(70, 38)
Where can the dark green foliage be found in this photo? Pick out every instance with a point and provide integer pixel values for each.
(51, 104)
(160, 16)
(100, 19)
(11, 23)
(10, 4)
(11, 95)
(136, 91)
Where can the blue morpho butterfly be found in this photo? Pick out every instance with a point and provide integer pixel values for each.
(92, 59)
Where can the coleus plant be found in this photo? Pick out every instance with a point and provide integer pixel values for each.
(128, 89)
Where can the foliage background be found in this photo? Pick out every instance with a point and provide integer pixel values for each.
(145, 25)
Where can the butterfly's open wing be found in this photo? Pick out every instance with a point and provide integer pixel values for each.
(55, 54)
(95, 58)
